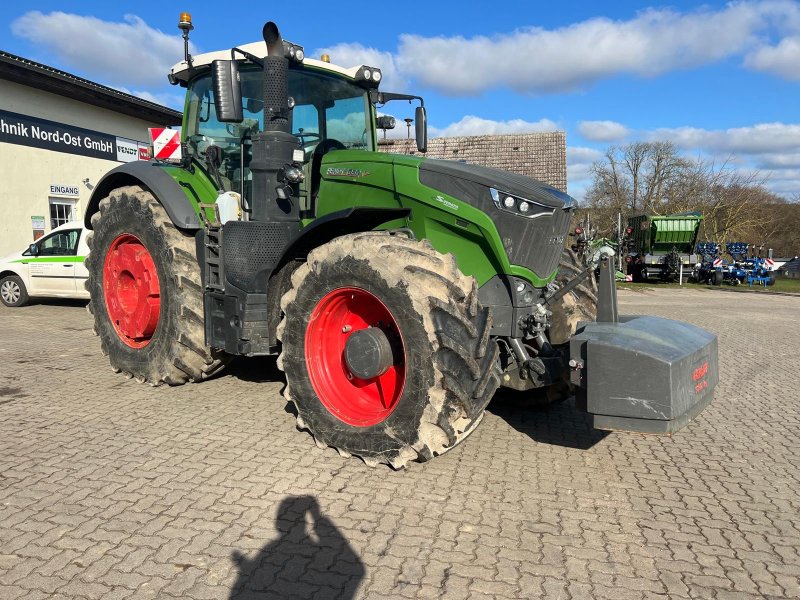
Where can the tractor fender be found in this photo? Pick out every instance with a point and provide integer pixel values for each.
(342, 222)
(153, 178)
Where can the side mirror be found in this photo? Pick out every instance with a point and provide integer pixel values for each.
(421, 128)
(227, 91)
(34, 249)
(385, 122)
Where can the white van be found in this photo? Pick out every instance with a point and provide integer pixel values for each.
(50, 268)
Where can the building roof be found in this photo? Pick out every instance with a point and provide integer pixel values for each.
(542, 156)
(48, 79)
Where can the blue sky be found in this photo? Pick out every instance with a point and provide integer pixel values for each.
(720, 80)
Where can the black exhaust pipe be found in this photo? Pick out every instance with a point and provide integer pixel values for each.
(273, 148)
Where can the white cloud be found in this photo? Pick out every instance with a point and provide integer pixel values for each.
(472, 125)
(351, 55)
(754, 139)
(128, 53)
(782, 60)
(603, 131)
(771, 150)
(779, 161)
(536, 60)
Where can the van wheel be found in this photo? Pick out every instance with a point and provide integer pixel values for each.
(13, 292)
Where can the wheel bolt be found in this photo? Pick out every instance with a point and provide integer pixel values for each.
(346, 329)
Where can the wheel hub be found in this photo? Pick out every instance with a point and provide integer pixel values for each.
(132, 291)
(356, 372)
(10, 292)
(368, 353)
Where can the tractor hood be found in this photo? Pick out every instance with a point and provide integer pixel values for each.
(532, 239)
(473, 177)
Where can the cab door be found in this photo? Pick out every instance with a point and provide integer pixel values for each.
(52, 269)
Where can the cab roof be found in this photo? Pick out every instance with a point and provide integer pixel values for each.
(180, 71)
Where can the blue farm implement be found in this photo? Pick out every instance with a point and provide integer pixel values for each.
(746, 265)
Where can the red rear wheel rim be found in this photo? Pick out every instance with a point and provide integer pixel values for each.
(132, 292)
(358, 402)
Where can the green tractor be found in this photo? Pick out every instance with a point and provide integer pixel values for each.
(398, 292)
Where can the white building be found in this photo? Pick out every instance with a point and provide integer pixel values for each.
(59, 134)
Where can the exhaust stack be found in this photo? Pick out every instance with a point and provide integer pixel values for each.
(273, 148)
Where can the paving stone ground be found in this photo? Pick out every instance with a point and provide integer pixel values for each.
(112, 489)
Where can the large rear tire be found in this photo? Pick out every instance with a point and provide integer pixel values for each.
(146, 295)
(442, 370)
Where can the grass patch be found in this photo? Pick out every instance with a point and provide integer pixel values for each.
(654, 285)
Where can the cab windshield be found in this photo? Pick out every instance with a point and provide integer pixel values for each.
(326, 108)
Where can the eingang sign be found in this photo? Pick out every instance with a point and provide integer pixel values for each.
(49, 135)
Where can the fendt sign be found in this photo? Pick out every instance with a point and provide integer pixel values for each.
(49, 135)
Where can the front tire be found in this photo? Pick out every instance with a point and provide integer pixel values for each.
(13, 292)
(579, 305)
(146, 296)
(443, 367)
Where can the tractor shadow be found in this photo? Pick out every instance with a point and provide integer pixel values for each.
(255, 369)
(560, 424)
(311, 558)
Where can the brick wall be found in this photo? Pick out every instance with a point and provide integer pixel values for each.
(542, 156)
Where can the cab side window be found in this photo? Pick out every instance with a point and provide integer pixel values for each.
(63, 243)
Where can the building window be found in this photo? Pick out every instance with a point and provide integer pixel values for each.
(61, 212)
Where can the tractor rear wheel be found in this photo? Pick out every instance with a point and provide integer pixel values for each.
(146, 295)
(717, 278)
(386, 350)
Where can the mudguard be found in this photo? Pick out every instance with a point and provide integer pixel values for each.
(151, 176)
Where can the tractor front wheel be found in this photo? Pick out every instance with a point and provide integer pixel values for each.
(577, 306)
(386, 350)
(146, 296)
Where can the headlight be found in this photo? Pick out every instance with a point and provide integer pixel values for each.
(520, 206)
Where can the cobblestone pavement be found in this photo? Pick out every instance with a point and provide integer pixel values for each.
(111, 489)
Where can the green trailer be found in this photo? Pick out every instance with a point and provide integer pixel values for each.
(662, 245)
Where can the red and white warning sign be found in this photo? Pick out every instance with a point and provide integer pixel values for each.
(717, 262)
(166, 143)
(770, 263)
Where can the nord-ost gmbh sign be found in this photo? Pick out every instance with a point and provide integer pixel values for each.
(39, 133)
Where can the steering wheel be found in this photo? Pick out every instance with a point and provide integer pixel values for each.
(327, 145)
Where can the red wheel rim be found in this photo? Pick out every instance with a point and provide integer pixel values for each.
(358, 402)
(132, 292)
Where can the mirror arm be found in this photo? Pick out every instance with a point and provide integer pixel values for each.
(252, 58)
(377, 97)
